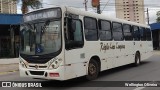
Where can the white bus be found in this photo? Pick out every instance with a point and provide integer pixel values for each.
(62, 43)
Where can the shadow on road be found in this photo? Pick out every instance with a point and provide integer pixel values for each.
(122, 68)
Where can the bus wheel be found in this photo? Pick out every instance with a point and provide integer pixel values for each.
(93, 70)
(137, 59)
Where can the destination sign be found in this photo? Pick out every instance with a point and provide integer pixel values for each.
(42, 14)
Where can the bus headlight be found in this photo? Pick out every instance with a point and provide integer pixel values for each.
(22, 63)
(55, 64)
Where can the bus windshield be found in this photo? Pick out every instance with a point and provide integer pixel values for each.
(41, 38)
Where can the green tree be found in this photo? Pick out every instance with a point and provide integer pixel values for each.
(35, 4)
(158, 16)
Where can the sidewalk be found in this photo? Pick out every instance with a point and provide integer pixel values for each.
(9, 61)
(156, 52)
(8, 65)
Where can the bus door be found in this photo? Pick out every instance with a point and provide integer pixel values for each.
(74, 52)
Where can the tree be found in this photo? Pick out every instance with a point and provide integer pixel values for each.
(35, 4)
(158, 16)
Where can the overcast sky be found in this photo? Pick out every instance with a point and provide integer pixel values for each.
(109, 10)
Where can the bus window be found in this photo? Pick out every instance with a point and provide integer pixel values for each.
(117, 31)
(136, 33)
(142, 33)
(105, 30)
(75, 35)
(127, 32)
(148, 34)
(91, 31)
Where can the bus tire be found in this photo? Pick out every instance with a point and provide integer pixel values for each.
(93, 70)
(137, 59)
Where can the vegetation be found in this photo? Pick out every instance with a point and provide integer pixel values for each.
(158, 16)
(35, 4)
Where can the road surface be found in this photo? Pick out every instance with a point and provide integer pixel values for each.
(149, 70)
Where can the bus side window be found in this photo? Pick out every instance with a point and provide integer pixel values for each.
(148, 34)
(91, 30)
(105, 30)
(74, 33)
(142, 33)
(117, 31)
(136, 33)
(127, 32)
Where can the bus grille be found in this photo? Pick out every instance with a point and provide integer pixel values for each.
(40, 67)
(37, 72)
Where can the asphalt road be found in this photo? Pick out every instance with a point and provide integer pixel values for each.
(149, 70)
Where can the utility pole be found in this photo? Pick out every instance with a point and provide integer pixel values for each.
(147, 16)
(85, 4)
(99, 8)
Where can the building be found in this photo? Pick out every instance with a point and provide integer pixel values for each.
(155, 27)
(131, 10)
(9, 34)
(8, 6)
(9, 28)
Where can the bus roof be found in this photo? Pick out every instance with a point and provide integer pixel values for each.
(95, 15)
(101, 16)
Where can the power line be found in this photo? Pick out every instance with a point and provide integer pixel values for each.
(105, 5)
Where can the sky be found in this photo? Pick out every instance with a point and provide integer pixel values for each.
(108, 9)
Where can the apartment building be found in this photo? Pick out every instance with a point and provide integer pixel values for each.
(8, 6)
(131, 10)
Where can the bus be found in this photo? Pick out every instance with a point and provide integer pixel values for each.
(62, 43)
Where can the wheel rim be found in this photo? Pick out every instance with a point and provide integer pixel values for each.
(92, 69)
